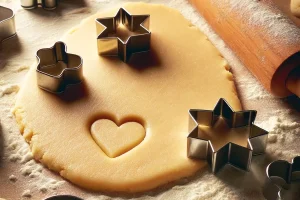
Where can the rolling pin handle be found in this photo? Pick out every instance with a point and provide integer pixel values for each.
(293, 81)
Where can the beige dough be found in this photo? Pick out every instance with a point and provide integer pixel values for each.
(116, 140)
(295, 7)
(154, 90)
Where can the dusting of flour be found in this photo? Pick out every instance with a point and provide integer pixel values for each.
(279, 26)
(8, 89)
(274, 115)
(284, 136)
(17, 150)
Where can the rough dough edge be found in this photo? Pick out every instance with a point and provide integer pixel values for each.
(29, 134)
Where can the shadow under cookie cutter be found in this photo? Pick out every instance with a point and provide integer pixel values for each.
(63, 197)
(281, 175)
(7, 23)
(57, 69)
(231, 153)
(111, 45)
(46, 4)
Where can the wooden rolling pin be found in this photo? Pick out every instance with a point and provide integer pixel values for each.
(267, 49)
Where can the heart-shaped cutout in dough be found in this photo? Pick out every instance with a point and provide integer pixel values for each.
(116, 140)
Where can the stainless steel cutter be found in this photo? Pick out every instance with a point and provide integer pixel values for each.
(283, 180)
(231, 153)
(109, 44)
(46, 4)
(7, 23)
(57, 69)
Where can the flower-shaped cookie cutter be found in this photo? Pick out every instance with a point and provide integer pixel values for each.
(57, 69)
(231, 153)
(45, 4)
(109, 44)
(7, 23)
(281, 175)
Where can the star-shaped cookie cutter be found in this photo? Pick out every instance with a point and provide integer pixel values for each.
(7, 23)
(111, 45)
(57, 69)
(231, 153)
(280, 176)
(45, 4)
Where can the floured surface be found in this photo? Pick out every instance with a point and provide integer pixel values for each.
(285, 7)
(278, 116)
(155, 89)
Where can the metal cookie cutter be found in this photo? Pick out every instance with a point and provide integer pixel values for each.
(109, 44)
(283, 180)
(7, 23)
(231, 153)
(46, 4)
(57, 69)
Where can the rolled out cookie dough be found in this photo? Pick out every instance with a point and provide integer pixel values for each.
(295, 7)
(156, 89)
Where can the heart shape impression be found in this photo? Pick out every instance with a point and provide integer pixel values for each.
(116, 140)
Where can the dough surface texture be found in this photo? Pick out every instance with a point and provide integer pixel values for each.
(183, 70)
(115, 139)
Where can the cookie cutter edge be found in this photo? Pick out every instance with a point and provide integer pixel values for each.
(7, 25)
(284, 170)
(68, 76)
(231, 153)
(45, 4)
(113, 45)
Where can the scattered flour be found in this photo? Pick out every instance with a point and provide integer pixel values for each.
(45, 184)
(22, 68)
(8, 89)
(283, 124)
(26, 193)
(79, 11)
(284, 136)
(101, 1)
(12, 178)
(20, 152)
(250, 89)
(279, 26)
(2, 82)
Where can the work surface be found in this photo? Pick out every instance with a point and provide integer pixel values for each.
(21, 177)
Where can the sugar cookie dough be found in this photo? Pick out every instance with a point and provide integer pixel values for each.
(156, 89)
(295, 7)
(114, 139)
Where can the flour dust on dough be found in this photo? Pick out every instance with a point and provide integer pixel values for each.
(183, 70)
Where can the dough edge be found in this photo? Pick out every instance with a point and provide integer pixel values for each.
(30, 134)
